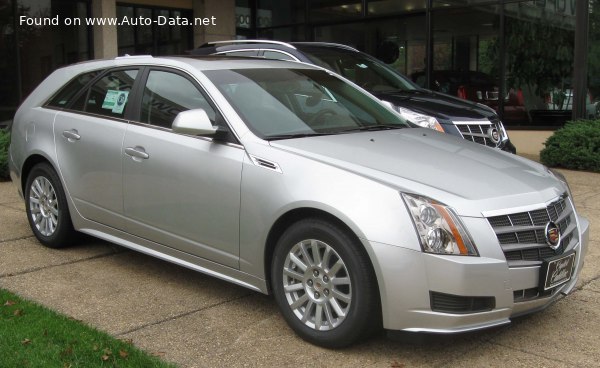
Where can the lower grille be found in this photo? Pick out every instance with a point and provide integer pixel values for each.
(526, 295)
(447, 303)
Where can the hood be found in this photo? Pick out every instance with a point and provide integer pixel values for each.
(467, 176)
(438, 105)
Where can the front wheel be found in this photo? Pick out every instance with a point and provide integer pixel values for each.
(324, 285)
(47, 209)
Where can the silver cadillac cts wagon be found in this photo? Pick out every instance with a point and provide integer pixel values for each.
(287, 179)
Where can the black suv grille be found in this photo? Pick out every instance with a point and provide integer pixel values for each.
(477, 133)
(522, 235)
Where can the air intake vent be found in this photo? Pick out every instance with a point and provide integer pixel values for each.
(270, 165)
(456, 304)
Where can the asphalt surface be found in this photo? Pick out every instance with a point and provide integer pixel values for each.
(198, 321)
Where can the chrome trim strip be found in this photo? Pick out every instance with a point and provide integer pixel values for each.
(168, 130)
(260, 162)
(251, 41)
(513, 210)
(472, 122)
(281, 52)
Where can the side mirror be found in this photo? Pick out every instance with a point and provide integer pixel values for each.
(388, 104)
(194, 122)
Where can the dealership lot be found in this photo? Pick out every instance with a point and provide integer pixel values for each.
(197, 321)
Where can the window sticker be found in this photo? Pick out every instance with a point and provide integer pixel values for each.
(115, 101)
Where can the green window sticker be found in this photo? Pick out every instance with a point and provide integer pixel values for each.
(115, 101)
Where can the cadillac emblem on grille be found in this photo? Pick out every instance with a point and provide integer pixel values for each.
(494, 135)
(552, 235)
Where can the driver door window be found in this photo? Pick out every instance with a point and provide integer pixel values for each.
(166, 94)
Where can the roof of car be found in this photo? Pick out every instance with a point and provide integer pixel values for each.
(197, 62)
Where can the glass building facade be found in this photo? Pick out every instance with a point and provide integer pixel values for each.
(29, 53)
(536, 62)
(518, 57)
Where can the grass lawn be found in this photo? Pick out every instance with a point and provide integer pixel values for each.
(34, 336)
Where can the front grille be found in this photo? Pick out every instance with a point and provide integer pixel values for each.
(447, 303)
(477, 132)
(522, 235)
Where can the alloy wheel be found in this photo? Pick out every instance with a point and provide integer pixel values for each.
(317, 285)
(43, 205)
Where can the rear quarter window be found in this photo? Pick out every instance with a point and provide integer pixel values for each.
(64, 96)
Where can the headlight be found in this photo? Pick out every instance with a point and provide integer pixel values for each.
(439, 229)
(425, 121)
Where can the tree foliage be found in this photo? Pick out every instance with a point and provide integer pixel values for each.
(539, 54)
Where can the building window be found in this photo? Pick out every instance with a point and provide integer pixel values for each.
(539, 56)
(465, 57)
(140, 39)
(593, 91)
(30, 52)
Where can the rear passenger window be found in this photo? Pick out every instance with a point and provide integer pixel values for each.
(64, 96)
(109, 95)
(166, 95)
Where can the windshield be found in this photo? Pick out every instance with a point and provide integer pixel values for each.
(288, 103)
(369, 73)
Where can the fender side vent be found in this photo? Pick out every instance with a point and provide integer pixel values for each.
(270, 165)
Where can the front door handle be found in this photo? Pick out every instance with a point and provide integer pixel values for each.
(72, 135)
(137, 152)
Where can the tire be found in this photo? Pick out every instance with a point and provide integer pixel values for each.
(47, 209)
(332, 299)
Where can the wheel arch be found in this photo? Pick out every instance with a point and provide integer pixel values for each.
(297, 214)
(29, 164)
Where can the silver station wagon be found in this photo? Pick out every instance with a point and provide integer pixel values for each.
(289, 180)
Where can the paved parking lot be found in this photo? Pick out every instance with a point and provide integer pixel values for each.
(198, 321)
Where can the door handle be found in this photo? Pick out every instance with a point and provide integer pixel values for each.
(71, 135)
(137, 152)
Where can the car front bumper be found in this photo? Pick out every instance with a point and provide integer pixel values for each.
(407, 278)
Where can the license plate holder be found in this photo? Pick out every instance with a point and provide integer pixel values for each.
(556, 271)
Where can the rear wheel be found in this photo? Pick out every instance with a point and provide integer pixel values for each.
(324, 285)
(47, 209)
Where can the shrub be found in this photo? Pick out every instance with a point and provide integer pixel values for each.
(4, 142)
(576, 146)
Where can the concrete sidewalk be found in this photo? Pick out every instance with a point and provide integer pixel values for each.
(198, 321)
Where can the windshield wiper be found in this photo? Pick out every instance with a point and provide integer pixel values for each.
(372, 128)
(296, 135)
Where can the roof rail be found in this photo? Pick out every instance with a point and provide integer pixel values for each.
(342, 46)
(252, 41)
(127, 56)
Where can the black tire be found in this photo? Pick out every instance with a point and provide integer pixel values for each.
(61, 234)
(362, 313)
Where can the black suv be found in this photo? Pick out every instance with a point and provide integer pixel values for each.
(442, 112)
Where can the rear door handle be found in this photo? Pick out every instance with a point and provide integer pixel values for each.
(72, 135)
(137, 152)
